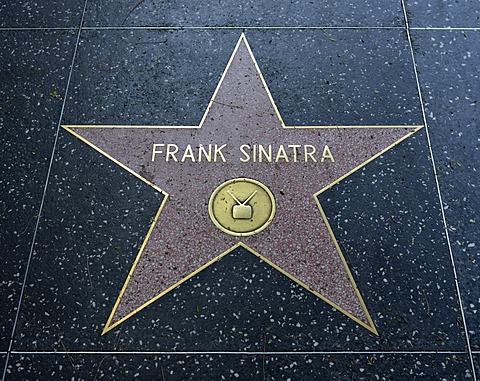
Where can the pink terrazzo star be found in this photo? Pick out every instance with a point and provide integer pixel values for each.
(184, 240)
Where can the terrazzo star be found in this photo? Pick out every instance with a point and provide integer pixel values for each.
(272, 210)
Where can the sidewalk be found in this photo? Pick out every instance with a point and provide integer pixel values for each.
(382, 287)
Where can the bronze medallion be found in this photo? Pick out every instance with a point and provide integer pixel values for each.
(242, 207)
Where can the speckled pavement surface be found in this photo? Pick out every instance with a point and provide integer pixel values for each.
(72, 221)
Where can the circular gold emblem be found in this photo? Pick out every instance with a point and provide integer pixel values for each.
(241, 207)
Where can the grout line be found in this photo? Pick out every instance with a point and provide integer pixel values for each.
(240, 353)
(191, 27)
(19, 29)
(240, 27)
(300, 27)
(445, 223)
(42, 202)
(445, 28)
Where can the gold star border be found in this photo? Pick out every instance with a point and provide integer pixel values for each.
(370, 327)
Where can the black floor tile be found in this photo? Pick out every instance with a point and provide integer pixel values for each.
(369, 367)
(240, 367)
(449, 78)
(343, 77)
(476, 360)
(248, 13)
(443, 13)
(41, 14)
(114, 367)
(388, 220)
(33, 70)
(3, 357)
(150, 78)
(347, 77)
(92, 227)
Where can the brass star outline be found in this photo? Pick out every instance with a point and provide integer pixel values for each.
(242, 40)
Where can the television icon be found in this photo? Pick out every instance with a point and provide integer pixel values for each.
(242, 212)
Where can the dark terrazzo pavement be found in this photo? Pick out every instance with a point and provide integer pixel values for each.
(450, 79)
(387, 217)
(243, 367)
(35, 65)
(84, 269)
(231, 13)
(374, 65)
(41, 14)
(443, 13)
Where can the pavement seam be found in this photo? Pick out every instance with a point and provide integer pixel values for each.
(240, 27)
(236, 353)
(40, 209)
(444, 219)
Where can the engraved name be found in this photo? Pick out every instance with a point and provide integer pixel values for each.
(257, 153)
